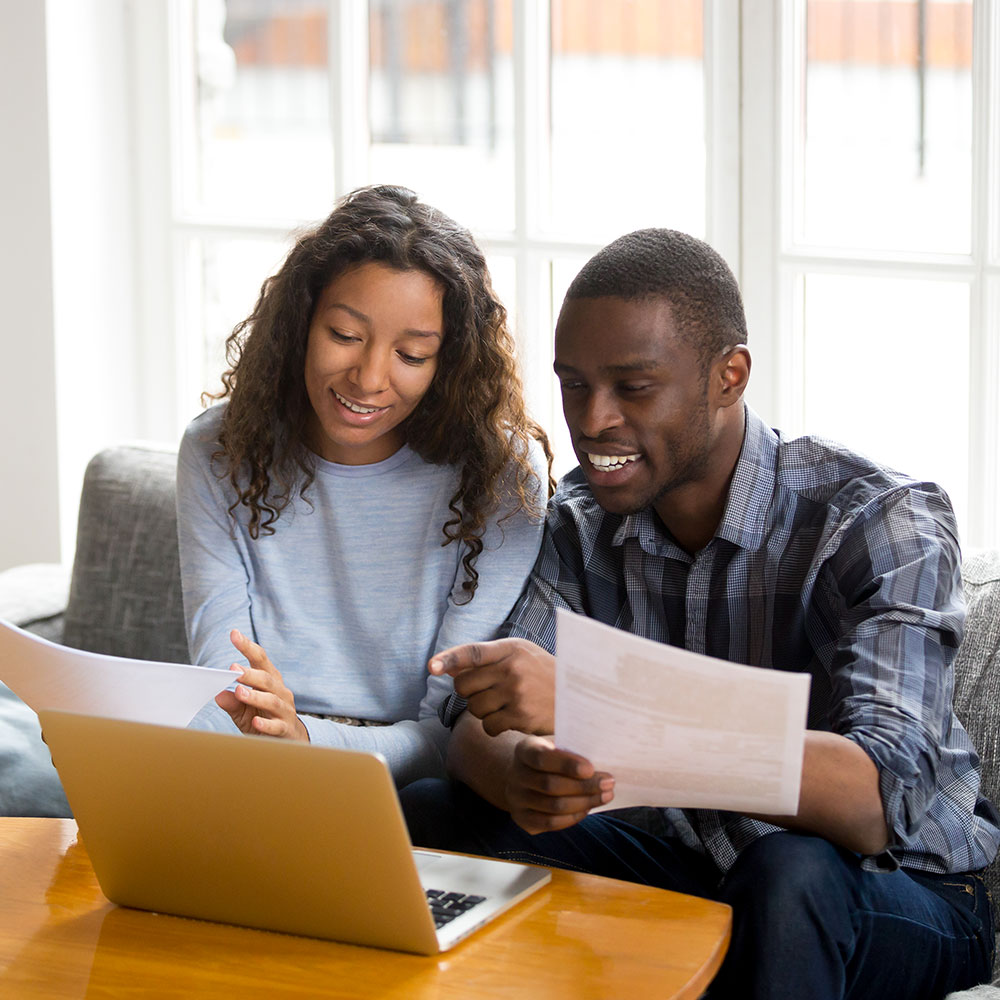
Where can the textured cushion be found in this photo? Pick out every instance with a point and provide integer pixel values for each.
(34, 595)
(977, 680)
(125, 592)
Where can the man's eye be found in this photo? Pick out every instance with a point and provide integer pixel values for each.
(569, 386)
(633, 386)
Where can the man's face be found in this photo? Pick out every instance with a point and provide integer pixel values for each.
(635, 399)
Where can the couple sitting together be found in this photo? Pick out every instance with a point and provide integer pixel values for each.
(368, 518)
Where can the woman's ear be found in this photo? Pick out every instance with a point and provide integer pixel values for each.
(731, 373)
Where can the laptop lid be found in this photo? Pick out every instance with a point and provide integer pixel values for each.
(256, 831)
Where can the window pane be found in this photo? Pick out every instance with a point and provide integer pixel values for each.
(224, 277)
(441, 104)
(887, 373)
(534, 348)
(261, 143)
(564, 270)
(627, 116)
(886, 136)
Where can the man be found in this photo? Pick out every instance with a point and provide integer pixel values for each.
(691, 522)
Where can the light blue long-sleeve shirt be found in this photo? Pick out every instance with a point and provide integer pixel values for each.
(350, 596)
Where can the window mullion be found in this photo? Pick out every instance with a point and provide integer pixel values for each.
(531, 195)
(984, 410)
(760, 207)
(722, 128)
(348, 58)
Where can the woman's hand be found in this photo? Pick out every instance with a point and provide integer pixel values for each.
(261, 702)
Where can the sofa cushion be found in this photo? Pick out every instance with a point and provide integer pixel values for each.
(977, 680)
(29, 785)
(125, 591)
(32, 597)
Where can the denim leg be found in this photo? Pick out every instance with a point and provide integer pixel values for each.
(449, 816)
(808, 922)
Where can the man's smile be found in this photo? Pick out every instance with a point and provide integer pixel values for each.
(611, 463)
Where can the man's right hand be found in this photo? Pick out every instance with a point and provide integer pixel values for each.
(508, 683)
(549, 789)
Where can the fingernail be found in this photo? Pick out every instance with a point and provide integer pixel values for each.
(607, 784)
(606, 797)
(434, 665)
(242, 689)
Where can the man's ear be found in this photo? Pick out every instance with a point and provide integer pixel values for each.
(730, 374)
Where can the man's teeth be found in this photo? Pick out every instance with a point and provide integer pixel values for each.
(353, 407)
(610, 463)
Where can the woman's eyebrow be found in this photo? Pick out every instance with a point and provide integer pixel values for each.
(423, 333)
(364, 318)
(356, 313)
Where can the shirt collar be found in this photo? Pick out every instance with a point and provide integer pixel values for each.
(748, 506)
(751, 490)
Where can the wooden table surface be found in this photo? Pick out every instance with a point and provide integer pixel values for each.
(579, 936)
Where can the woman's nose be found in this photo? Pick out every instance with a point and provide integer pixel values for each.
(371, 374)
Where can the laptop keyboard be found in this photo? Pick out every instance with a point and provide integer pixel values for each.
(445, 906)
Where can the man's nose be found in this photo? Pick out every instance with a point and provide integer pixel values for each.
(598, 413)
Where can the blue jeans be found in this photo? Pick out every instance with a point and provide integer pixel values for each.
(808, 922)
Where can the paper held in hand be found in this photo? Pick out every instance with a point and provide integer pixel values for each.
(45, 675)
(676, 728)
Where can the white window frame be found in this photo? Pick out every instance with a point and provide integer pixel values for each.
(167, 226)
(772, 263)
(749, 186)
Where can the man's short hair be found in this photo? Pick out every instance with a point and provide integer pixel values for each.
(663, 263)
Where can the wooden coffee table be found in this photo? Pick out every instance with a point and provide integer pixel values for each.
(580, 936)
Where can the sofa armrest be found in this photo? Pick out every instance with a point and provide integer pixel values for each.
(34, 597)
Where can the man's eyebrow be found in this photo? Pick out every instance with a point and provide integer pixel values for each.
(627, 367)
(363, 318)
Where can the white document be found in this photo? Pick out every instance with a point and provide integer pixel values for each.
(676, 728)
(45, 675)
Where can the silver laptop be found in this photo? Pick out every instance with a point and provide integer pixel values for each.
(267, 833)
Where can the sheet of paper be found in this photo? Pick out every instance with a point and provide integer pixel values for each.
(45, 675)
(676, 728)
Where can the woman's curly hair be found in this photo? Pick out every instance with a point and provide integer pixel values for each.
(472, 416)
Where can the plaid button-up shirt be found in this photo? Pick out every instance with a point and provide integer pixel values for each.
(823, 562)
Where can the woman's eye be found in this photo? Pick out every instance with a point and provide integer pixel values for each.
(343, 338)
(569, 386)
(413, 359)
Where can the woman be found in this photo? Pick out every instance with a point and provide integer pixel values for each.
(370, 491)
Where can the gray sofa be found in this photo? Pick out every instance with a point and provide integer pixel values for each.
(124, 597)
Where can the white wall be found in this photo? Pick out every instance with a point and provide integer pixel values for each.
(29, 502)
(93, 237)
(67, 273)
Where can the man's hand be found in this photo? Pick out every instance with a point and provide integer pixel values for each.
(549, 789)
(508, 683)
(261, 702)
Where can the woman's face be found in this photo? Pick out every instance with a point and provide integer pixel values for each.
(371, 355)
